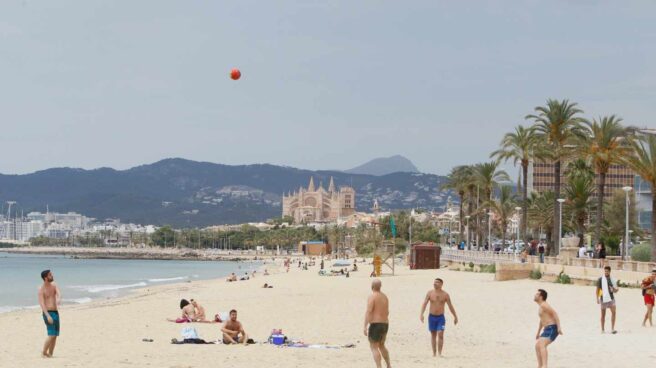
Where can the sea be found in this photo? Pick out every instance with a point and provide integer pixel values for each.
(83, 280)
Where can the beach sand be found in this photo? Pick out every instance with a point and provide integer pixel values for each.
(498, 321)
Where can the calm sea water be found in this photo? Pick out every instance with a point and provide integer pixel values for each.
(82, 280)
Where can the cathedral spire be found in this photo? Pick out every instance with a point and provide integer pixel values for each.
(311, 186)
(331, 186)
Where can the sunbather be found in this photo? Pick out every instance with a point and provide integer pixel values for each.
(188, 312)
(199, 311)
(233, 331)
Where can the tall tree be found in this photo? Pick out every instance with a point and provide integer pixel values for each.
(519, 147)
(643, 162)
(457, 180)
(604, 143)
(555, 125)
(488, 175)
(578, 194)
(503, 207)
(540, 208)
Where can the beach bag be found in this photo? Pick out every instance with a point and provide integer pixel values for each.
(189, 333)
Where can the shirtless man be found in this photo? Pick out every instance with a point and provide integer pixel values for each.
(376, 323)
(549, 325)
(436, 321)
(49, 298)
(648, 296)
(199, 311)
(233, 331)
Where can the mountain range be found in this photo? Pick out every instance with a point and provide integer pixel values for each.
(188, 193)
(385, 165)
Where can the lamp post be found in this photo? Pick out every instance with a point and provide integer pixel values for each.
(625, 257)
(467, 231)
(519, 222)
(489, 231)
(560, 222)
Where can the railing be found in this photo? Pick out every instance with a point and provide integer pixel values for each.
(478, 257)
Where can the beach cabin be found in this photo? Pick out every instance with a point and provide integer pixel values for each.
(425, 256)
(313, 248)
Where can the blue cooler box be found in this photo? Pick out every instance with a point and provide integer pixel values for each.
(277, 339)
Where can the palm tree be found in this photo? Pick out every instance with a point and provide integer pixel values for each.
(555, 125)
(578, 193)
(519, 147)
(540, 208)
(643, 162)
(457, 180)
(604, 143)
(503, 207)
(487, 175)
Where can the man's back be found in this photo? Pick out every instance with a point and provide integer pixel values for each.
(380, 311)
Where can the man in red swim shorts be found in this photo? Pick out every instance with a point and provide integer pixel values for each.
(648, 286)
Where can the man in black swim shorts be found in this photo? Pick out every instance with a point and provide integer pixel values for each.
(376, 323)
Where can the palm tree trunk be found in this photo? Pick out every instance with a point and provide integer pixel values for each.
(556, 222)
(471, 224)
(600, 205)
(462, 218)
(524, 224)
(653, 222)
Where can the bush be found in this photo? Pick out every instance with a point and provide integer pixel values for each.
(471, 265)
(535, 274)
(641, 252)
(491, 268)
(563, 278)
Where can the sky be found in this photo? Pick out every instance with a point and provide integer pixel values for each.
(325, 84)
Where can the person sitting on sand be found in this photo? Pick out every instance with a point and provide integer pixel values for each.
(188, 312)
(355, 267)
(232, 277)
(233, 330)
(245, 277)
(199, 311)
(266, 272)
(267, 286)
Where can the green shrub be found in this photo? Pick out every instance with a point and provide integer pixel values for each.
(641, 252)
(491, 268)
(563, 278)
(535, 274)
(471, 265)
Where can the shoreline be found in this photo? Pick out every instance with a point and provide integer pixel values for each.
(160, 254)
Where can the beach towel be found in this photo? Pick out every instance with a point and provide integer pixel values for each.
(606, 292)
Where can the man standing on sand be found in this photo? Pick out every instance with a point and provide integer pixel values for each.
(376, 323)
(436, 320)
(549, 325)
(233, 331)
(605, 293)
(49, 298)
(648, 286)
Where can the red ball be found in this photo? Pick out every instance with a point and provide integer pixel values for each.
(235, 74)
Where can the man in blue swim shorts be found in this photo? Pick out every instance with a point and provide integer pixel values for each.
(49, 298)
(436, 320)
(549, 325)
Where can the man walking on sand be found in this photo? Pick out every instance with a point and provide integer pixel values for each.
(648, 286)
(49, 298)
(436, 320)
(549, 325)
(605, 293)
(376, 323)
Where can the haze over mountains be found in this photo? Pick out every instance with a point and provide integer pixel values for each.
(188, 193)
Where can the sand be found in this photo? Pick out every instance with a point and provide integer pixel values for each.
(498, 321)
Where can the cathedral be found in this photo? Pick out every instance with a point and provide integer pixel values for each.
(318, 204)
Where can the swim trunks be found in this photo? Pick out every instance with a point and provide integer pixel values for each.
(649, 299)
(550, 332)
(226, 341)
(53, 329)
(609, 304)
(436, 323)
(377, 331)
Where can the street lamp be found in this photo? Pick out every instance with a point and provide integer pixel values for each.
(467, 232)
(560, 221)
(489, 231)
(626, 190)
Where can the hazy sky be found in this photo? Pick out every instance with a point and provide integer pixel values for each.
(325, 85)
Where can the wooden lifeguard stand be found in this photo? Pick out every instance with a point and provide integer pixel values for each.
(384, 255)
